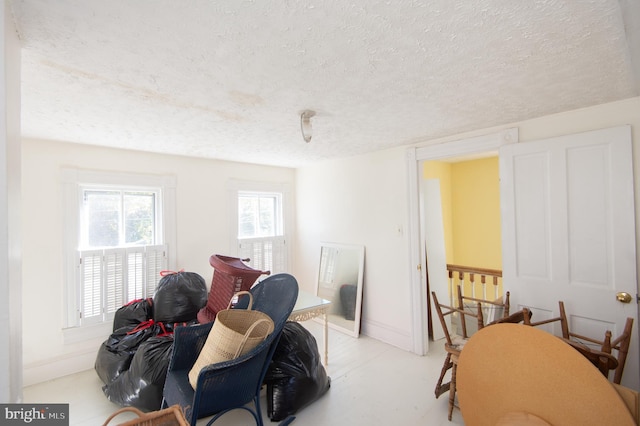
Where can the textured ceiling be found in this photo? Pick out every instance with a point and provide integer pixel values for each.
(228, 79)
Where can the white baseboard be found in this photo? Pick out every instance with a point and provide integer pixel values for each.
(391, 335)
(42, 371)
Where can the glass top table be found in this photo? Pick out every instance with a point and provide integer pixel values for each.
(309, 306)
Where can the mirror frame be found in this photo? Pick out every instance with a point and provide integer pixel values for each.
(355, 331)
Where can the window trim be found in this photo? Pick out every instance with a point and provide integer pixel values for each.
(72, 180)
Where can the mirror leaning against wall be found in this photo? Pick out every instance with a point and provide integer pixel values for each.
(340, 280)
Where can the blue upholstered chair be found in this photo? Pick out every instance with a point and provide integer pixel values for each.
(231, 384)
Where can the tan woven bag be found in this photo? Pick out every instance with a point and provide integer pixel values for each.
(234, 333)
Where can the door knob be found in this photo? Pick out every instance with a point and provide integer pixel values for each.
(623, 297)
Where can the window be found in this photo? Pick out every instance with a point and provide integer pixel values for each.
(118, 217)
(118, 241)
(120, 250)
(260, 211)
(259, 215)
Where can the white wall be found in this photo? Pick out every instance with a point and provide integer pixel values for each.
(363, 200)
(202, 230)
(360, 200)
(10, 280)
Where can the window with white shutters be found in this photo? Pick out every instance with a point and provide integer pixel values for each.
(261, 214)
(118, 238)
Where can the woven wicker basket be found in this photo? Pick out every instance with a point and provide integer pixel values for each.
(234, 333)
(230, 276)
(172, 416)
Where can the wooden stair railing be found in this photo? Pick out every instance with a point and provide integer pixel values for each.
(460, 273)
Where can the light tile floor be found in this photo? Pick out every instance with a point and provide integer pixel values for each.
(372, 383)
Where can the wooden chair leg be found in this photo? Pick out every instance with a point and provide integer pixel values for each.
(442, 388)
(452, 390)
(624, 349)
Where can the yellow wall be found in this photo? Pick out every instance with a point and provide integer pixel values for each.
(476, 213)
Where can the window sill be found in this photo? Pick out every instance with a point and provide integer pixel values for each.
(74, 335)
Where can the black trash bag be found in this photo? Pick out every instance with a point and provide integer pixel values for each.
(142, 384)
(115, 353)
(109, 365)
(295, 377)
(179, 296)
(133, 313)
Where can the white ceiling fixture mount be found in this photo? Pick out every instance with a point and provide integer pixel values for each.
(305, 124)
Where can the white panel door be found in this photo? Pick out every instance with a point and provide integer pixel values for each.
(568, 229)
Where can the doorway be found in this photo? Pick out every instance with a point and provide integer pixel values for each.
(462, 237)
(415, 157)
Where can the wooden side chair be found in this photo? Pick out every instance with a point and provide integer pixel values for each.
(453, 345)
(603, 361)
(515, 318)
(608, 345)
(473, 308)
(493, 310)
(605, 345)
(562, 319)
(621, 345)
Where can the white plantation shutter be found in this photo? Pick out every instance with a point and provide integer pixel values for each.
(113, 264)
(261, 213)
(112, 277)
(266, 253)
(250, 248)
(91, 277)
(135, 273)
(277, 255)
(156, 262)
